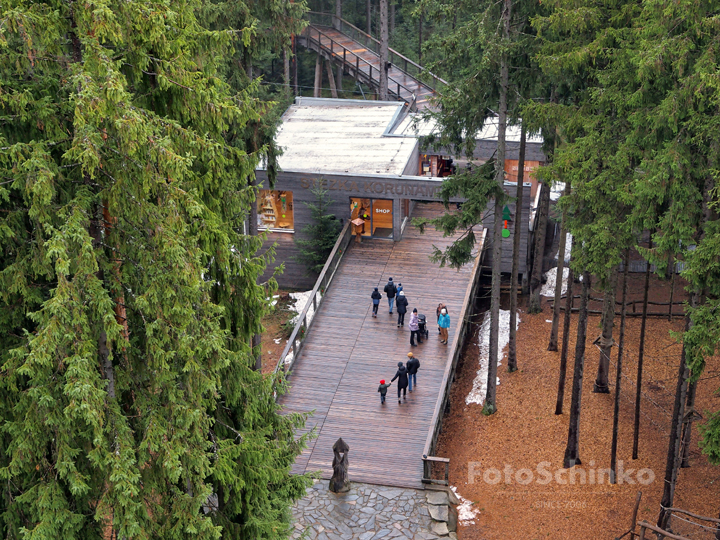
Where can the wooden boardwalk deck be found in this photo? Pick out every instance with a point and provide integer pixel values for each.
(409, 85)
(347, 352)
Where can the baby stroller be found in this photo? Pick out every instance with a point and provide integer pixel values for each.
(422, 327)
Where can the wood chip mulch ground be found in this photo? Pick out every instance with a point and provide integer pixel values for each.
(525, 432)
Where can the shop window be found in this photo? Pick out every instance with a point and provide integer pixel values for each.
(275, 210)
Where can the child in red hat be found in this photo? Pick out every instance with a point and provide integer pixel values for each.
(383, 390)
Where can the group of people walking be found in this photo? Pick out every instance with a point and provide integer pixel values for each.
(406, 376)
(407, 373)
(396, 299)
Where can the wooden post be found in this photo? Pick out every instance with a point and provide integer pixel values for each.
(318, 76)
(333, 88)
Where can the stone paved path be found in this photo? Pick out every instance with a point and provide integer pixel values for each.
(366, 512)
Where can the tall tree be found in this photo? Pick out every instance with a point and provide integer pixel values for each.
(572, 450)
(384, 38)
(618, 372)
(552, 345)
(565, 342)
(512, 344)
(120, 186)
(539, 255)
(606, 339)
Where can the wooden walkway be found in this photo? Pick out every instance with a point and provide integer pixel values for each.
(364, 63)
(348, 351)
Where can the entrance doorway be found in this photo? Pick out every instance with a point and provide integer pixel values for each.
(377, 215)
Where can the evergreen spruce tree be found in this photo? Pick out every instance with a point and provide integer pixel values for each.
(127, 293)
(317, 239)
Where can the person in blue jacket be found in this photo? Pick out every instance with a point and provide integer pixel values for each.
(444, 324)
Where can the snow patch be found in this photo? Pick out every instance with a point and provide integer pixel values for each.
(466, 512)
(302, 298)
(568, 247)
(548, 289)
(556, 190)
(479, 389)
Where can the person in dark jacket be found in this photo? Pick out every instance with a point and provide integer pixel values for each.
(376, 296)
(390, 291)
(383, 391)
(402, 305)
(412, 366)
(402, 377)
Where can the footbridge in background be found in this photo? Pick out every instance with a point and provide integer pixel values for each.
(359, 55)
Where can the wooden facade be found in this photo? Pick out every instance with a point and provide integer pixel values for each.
(402, 191)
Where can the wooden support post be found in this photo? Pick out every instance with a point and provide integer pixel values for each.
(318, 76)
(333, 88)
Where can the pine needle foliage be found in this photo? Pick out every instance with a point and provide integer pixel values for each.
(128, 296)
(317, 238)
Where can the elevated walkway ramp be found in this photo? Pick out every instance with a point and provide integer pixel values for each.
(358, 53)
(347, 352)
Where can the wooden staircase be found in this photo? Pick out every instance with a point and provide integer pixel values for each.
(358, 53)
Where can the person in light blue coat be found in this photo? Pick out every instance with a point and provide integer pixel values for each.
(444, 324)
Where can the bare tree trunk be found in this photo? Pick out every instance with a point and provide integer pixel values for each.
(338, 15)
(565, 343)
(606, 342)
(535, 280)
(286, 71)
(420, 37)
(672, 291)
(295, 66)
(318, 76)
(337, 23)
(384, 50)
(672, 459)
(368, 16)
(641, 357)
(333, 88)
(512, 346)
(572, 450)
(392, 16)
(618, 373)
(490, 402)
(553, 346)
(687, 427)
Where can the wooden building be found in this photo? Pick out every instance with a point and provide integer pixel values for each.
(367, 155)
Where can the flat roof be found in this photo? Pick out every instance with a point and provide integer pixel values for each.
(343, 135)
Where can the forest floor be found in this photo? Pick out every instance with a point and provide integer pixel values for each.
(525, 432)
(276, 333)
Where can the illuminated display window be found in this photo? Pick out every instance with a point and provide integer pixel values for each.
(275, 211)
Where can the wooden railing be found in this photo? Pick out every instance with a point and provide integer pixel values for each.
(353, 62)
(455, 352)
(299, 333)
(399, 60)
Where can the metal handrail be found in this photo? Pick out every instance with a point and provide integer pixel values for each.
(455, 351)
(307, 32)
(392, 52)
(299, 333)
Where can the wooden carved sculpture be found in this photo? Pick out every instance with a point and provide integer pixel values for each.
(339, 482)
